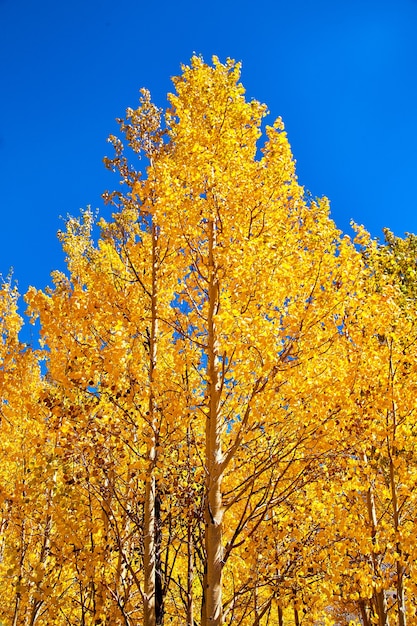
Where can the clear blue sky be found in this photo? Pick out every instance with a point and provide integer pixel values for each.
(341, 73)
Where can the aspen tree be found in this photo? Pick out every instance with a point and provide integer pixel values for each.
(260, 286)
(205, 326)
(27, 477)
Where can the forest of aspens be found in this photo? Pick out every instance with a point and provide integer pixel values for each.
(218, 425)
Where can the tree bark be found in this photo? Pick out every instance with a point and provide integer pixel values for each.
(190, 574)
(364, 613)
(159, 588)
(149, 564)
(214, 475)
(149, 554)
(190, 540)
(392, 451)
(379, 596)
(296, 617)
(402, 617)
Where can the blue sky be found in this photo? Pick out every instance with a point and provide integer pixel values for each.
(342, 74)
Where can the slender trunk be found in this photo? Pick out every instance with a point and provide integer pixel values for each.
(121, 572)
(213, 508)
(17, 605)
(159, 591)
(280, 617)
(382, 608)
(37, 604)
(190, 574)
(364, 613)
(379, 596)
(190, 540)
(90, 597)
(149, 552)
(402, 617)
(106, 514)
(149, 564)
(18, 597)
(203, 615)
(296, 617)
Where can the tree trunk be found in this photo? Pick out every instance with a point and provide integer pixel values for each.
(296, 617)
(203, 614)
(190, 573)
(364, 613)
(18, 596)
(392, 451)
(213, 504)
(149, 554)
(149, 564)
(159, 587)
(402, 618)
(190, 539)
(37, 604)
(379, 596)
